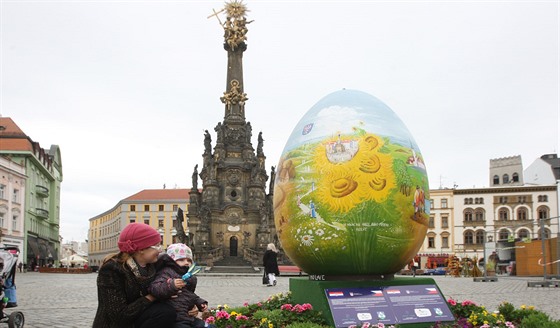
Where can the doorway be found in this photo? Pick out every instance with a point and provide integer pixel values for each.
(233, 246)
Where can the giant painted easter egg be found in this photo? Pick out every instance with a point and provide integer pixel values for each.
(351, 190)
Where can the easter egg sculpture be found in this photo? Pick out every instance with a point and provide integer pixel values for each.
(351, 189)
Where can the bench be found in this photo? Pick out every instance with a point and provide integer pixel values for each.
(287, 270)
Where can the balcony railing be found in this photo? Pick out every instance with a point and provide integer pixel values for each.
(475, 223)
(42, 213)
(42, 191)
(474, 247)
(513, 223)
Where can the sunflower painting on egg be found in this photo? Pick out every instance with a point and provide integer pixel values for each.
(351, 192)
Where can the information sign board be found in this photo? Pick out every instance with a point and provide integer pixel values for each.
(388, 305)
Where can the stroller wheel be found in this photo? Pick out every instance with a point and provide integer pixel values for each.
(16, 320)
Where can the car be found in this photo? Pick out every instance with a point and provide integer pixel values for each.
(435, 272)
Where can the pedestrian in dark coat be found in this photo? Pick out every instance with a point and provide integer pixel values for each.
(170, 270)
(270, 263)
(123, 281)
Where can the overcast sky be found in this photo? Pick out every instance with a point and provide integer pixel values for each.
(126, 88)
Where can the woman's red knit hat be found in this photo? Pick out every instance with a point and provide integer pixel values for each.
(137, 236)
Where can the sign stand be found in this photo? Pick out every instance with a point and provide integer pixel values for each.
(408, 302)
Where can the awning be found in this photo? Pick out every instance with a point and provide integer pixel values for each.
(44, 252)
(52, 252)
(32, 247)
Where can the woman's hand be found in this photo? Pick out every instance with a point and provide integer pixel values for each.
(193, 312)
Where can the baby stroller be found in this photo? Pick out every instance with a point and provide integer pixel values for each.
(8, 261)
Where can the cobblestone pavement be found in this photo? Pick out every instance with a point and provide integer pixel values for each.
(70, 300)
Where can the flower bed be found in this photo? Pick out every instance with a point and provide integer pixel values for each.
(278, 311)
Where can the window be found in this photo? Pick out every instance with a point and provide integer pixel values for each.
(175, 208)
(147, 221)
(444, 203)
(2, 191)
(1, 220)
(541, 198)
(132, 221)
(14, 223)
(503, 235)
(505, 179)
(523, 233)
(496, 180)
(522, 214)
(543, 212)
(431, 222)
(515, 177)
(546, 233)
(444, 222)
(479, 215)
(480, 237)
(160, 223)
(503, 214)
(479, 200)
(146, 208)
(133, 208)
(503, 200)
(431, 205)
(521, 199)
(15, 196)
(468, 237)
(431, 242)
(468, 215)
(444, 242)
(160, 208)
(468, 201)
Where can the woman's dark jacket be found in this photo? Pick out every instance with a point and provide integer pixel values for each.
(163, 287)
(121, 295)
(270, 262)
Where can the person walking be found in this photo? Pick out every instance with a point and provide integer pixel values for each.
(123, 281)
(413, 266)
(270, 263)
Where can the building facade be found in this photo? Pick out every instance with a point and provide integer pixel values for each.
(543, 171)
(43, 168)
(439, 238)
(478, 221)
(155, 207)
(506, 171)
(493, 219)
(12, 204)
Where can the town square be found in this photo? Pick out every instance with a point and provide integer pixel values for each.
(383, 166)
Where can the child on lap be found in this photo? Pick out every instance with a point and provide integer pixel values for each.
(169, 282)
